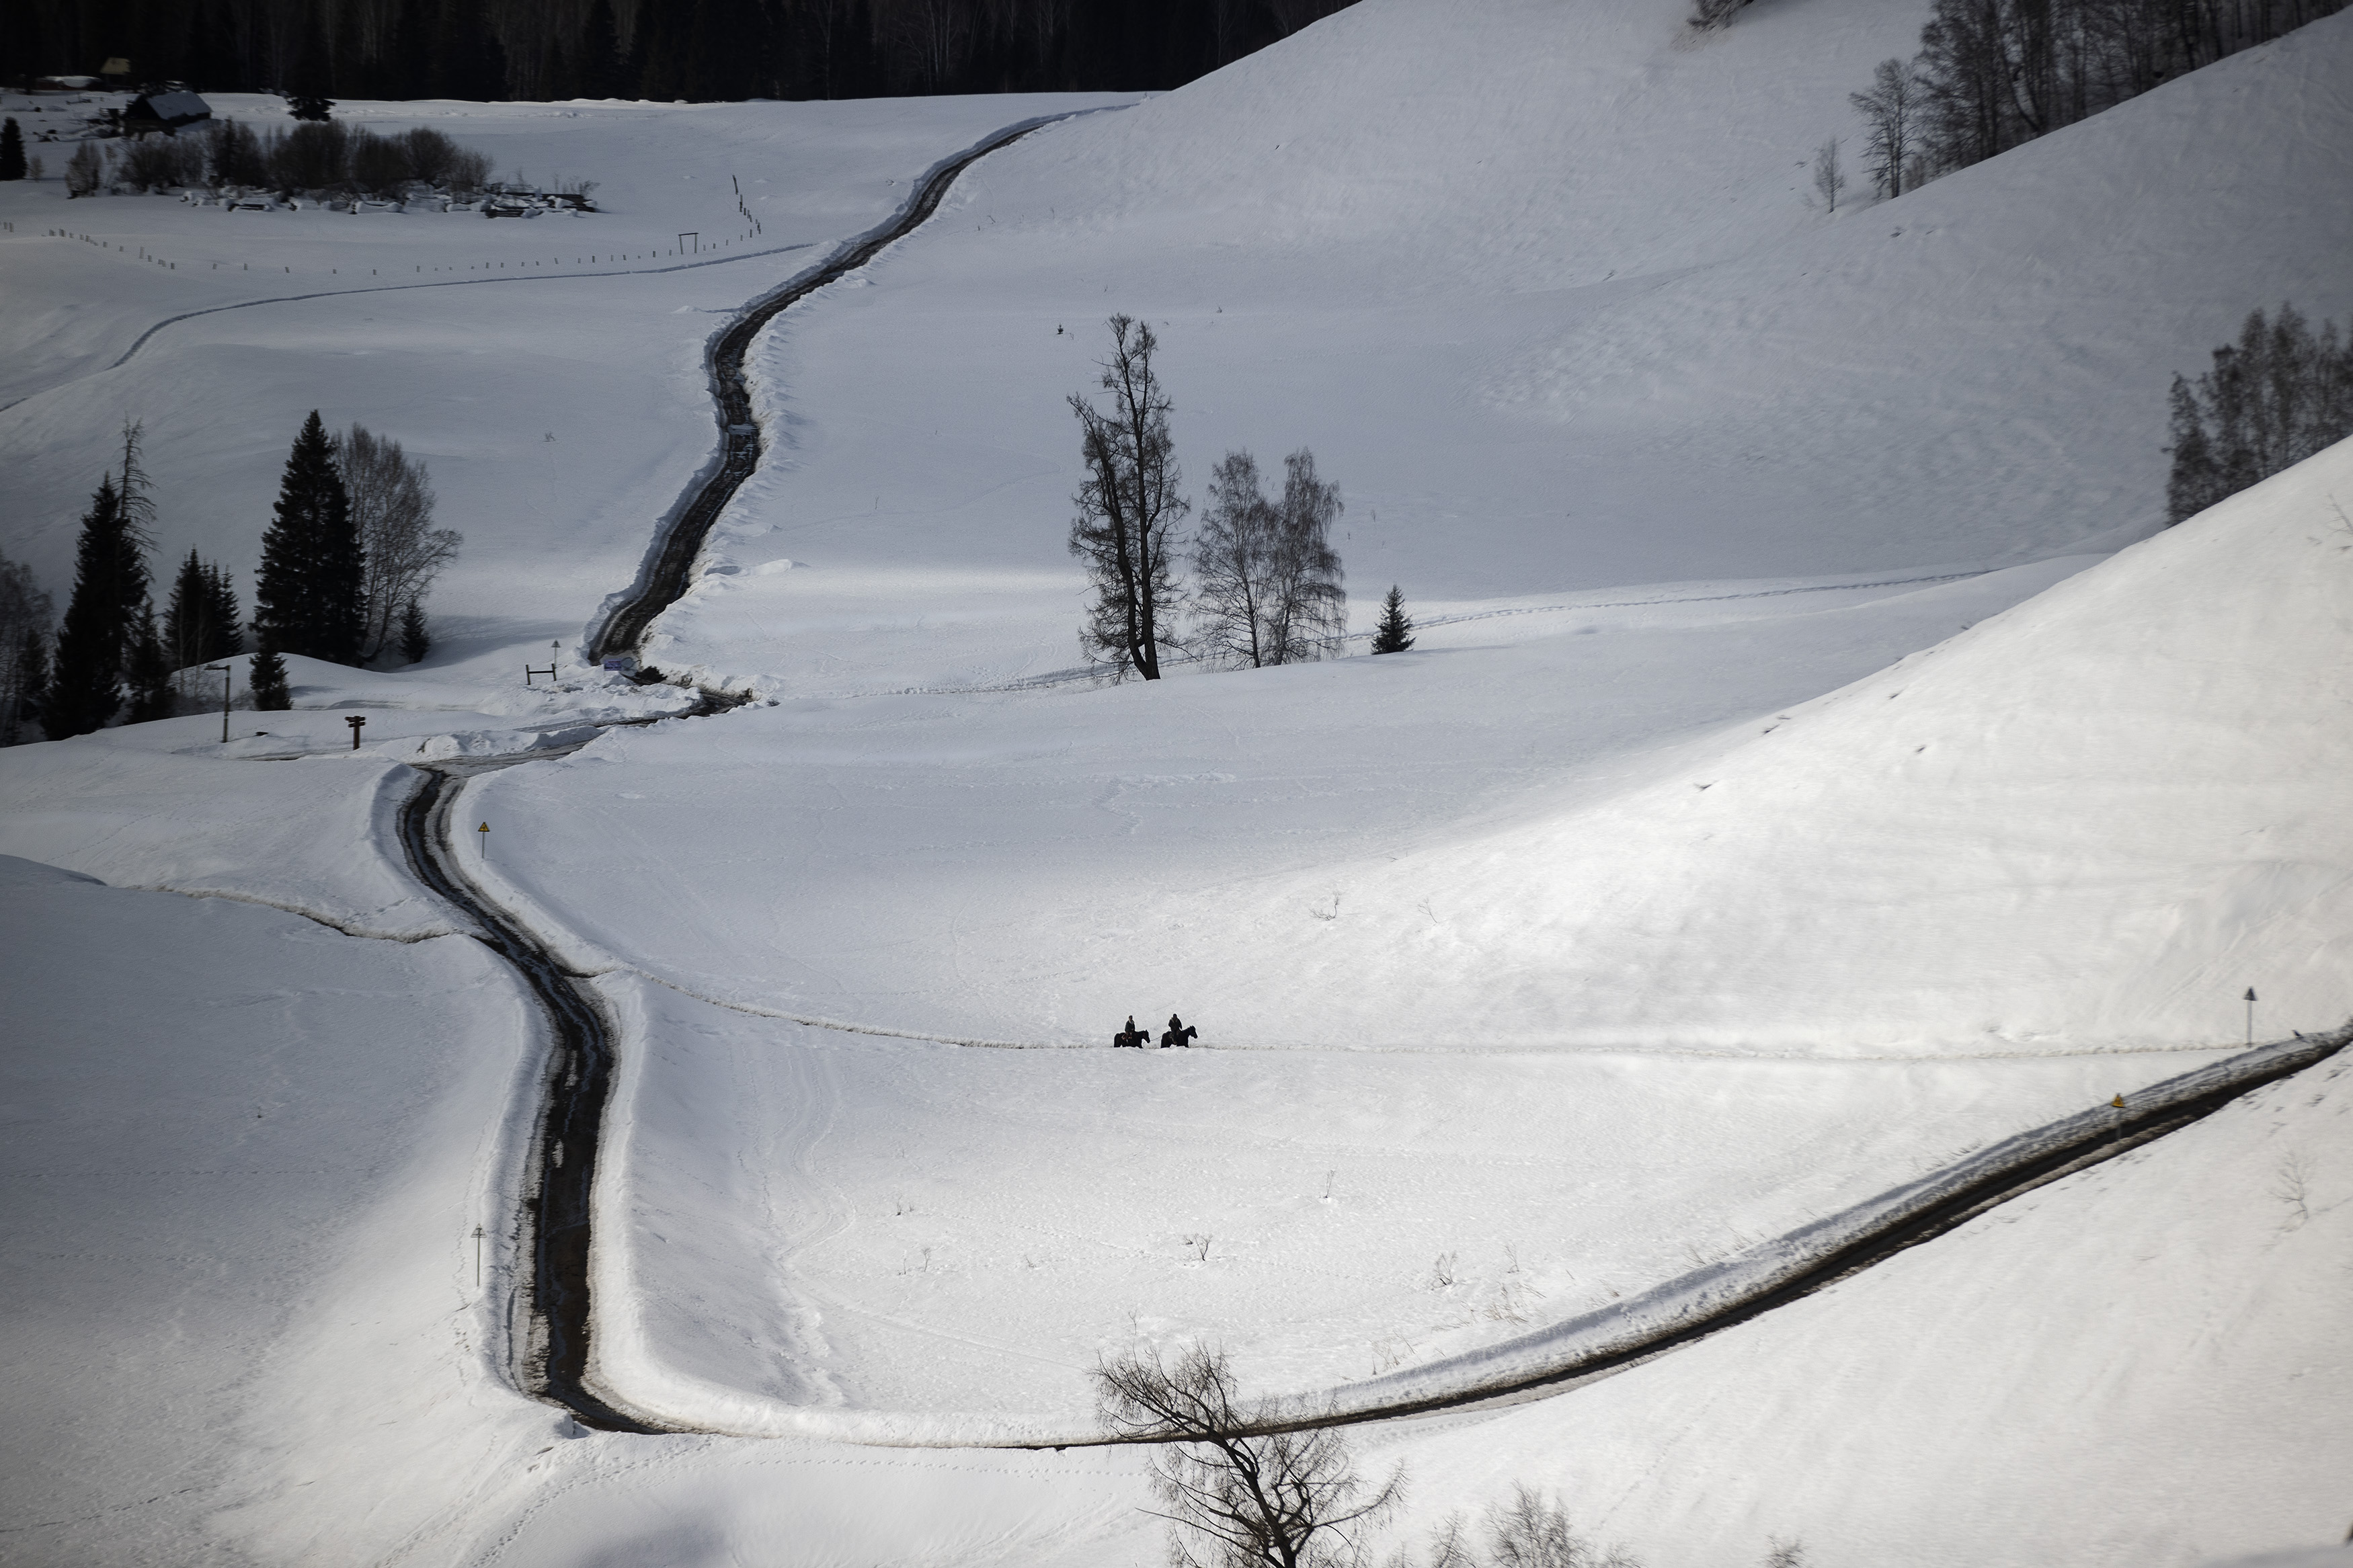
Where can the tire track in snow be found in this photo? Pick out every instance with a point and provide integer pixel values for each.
(141, 341)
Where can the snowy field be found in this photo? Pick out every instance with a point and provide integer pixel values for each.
(1816, 765)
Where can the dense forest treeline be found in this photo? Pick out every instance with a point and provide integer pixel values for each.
(1994, 74)
(694, 49)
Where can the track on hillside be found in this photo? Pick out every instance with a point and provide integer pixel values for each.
(548, 1326)
(1684, 1311)
(549, 1321)
(663, 577)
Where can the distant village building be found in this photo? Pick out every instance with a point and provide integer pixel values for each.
(164, 111)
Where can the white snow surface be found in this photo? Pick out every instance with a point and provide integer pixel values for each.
(1803, 783)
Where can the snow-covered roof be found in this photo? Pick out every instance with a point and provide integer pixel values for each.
(174, 109)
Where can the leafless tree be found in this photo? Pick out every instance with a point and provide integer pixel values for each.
(1266, 579)
(1232, 560)
(1236, 1499)
(391, 506)
(1533, 1530)
(1309, 614)
(1889, 109)
(1829, 178)
(1128, 510)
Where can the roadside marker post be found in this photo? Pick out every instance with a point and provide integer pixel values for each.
(358, 721)
(485, 831)
(228, 683)
(2250, 1015)
(477, 1258)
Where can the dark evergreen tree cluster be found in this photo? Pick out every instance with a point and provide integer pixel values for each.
(2279, 394)
(1993, 74)
(201, 623)
(12, 150)
(315, 51)
(115, 658)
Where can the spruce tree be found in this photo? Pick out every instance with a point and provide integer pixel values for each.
(188, 616)
(308, 599)
(1394, 632)
(266, 678)
(147, 670)
(110, 583)
(200, 622)
(11, 151)
(414, 644)
(226, 637)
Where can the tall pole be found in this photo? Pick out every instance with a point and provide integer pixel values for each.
(228, 683)
(2250, 1015)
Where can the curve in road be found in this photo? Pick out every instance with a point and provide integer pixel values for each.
(663, 577)
(554, 1355)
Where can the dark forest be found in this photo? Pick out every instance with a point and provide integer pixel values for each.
(694, 49)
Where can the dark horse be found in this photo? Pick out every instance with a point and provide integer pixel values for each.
(1178, 1033)
(1131, 1036)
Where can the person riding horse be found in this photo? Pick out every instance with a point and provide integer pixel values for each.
(1178, 1033)
(1131, 1036)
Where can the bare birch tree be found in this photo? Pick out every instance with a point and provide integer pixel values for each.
(1266, 580)
(1233, 559)
(391, 506)
(1889, 108)
(1829, 178)
(1246, 1498)
(1128, 511)
(1309, 611)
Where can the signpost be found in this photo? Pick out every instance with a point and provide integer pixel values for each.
(229, 682)
(358, 721)
(485, 831)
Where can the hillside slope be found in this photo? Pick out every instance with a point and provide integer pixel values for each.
(1539, 284)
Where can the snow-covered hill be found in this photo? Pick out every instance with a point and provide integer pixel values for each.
(1723, 743)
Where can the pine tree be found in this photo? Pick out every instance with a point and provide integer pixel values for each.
(1394, 632)
(266, 678)
(200, 621)
(227, 637)
(147, 671)
(109, 582)
(309, 597)
(414, 644)
(11, 151)
(186, 616)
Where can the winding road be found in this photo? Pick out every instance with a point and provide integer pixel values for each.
(551, 1315)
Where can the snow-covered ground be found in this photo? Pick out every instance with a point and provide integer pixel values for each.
(1803, 779)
